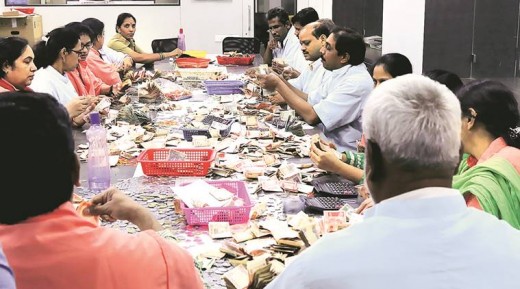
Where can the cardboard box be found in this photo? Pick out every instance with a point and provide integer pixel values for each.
(24, 26)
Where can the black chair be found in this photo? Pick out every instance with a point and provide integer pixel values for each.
(245, 45)
(164, 45)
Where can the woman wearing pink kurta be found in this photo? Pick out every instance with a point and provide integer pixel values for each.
(50, 246)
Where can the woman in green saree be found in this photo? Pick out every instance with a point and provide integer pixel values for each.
(489, 174)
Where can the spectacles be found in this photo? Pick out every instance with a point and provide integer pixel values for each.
(78, 52)
(87, 46)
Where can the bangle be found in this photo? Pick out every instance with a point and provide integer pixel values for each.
(161, 55)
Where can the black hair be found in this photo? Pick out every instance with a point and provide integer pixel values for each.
(328, 23)
(36, 180)
(280, 13)
(496, 108)
(321, 29)
(10, 49)
(46, 52)
(96, 26)
(350, 41)
(121, 18)
(305, 16)
(81, 29)
(394, 64)
(450, 79)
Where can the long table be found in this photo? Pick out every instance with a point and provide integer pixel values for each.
(155, 193)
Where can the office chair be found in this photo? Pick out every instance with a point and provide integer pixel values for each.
(164, 45)
(246, 45)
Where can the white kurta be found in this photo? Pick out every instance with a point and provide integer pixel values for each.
(426, 239)
(49, 80)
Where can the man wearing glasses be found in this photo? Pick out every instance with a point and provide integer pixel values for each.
(284, 44)
(82, 78)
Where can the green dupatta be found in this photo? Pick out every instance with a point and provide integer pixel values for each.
(496, 184)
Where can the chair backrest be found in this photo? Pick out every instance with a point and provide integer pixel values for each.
(164, 45)
(249, 45)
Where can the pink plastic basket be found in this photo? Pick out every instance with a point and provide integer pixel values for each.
(155, 162)
(233, 215)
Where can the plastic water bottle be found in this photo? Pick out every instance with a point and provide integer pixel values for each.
(181, 42)
(98, 165)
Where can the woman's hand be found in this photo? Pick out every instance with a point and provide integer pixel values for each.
(128, 62)
(77, 106)
(325, 157)
(116, 89)
(175, 53)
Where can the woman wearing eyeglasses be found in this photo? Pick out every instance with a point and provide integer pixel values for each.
(53, 58)
(82, 78)
(123, 41)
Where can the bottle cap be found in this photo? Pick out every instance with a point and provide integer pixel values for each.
(95, 118)
(181, 30)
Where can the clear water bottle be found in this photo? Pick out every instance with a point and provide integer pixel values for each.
(98, 165)
(181, 42)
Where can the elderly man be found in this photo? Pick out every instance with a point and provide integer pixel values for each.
(336, 106)
(284, 44)
(47, 243)
(420, 234)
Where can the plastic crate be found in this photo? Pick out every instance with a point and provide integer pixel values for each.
(155, 162)
(227, 60)
(192, 62)
(208, 120)
(233, 215)
(223, 87)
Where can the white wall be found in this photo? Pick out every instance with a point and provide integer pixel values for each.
(403, 29)
(323, 7)
(202, 20)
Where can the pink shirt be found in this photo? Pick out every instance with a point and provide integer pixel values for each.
(107, 72)
(60, 250)
(84, 81)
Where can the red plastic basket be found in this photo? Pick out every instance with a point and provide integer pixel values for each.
(26, 10)
(233, 215)
(155, 162)
(189, 62)
(227, 60)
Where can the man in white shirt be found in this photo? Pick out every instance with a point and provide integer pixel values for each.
(420, 234)
(285, 44)
(336, 106)
(312, 38)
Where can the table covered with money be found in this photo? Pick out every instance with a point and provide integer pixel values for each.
(222, 168)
